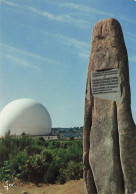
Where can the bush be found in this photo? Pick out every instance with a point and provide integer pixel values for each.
(73, 171)
(62, 177)
(17, 165)
(41, 141)
(36, 160)
(5, 172)
(37, 166)
(26, 141)
(33, 149)
(51, 173)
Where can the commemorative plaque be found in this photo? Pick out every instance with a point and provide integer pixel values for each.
(105, 84)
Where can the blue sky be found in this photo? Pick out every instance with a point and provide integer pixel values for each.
(45, 47)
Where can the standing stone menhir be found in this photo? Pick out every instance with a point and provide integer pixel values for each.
(109, 130)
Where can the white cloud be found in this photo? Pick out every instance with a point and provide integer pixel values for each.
(21, 62)
(84, 55)
(9, 3)
(72, 42)
(84, 8)
(83, 48)
(59, 18)
(17, 51)
(90, 10)
(25, 58)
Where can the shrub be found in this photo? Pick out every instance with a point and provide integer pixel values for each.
(52, 173)
(17, 165)
(5, 172)
(37, 166)
(73, 171)
(41, 141)
(33, 149)
(4, 153)
(30, 160)
(62, 177)
(26, 141)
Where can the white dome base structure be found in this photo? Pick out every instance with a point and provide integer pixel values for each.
(25, 116)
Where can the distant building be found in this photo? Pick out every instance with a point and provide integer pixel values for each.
(50, 137)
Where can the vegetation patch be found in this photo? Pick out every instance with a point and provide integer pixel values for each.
(36, 160)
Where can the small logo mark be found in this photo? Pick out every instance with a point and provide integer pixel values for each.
(8, 185)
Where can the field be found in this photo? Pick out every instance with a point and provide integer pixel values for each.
(72, 187)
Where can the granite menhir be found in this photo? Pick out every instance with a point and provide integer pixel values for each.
(109, 140)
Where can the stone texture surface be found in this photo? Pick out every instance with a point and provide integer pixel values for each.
(109, 131)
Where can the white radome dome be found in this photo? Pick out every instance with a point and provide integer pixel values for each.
(25, 115)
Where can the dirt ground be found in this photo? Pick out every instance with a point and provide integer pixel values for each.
(72, 187)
